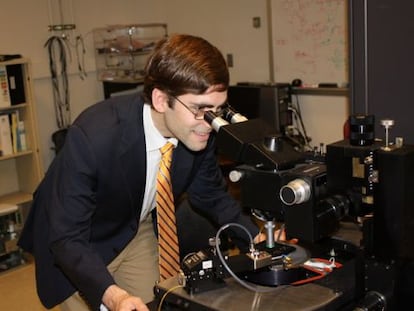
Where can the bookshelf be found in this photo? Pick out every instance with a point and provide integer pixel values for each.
(21, 170)
(20, 164)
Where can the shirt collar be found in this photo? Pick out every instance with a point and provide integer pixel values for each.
(154, 139)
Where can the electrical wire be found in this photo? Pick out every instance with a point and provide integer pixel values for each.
(253, 288)
(301, 130)
(297, 114)
(64, 12)
(80, 56)
(57, 50)
(166, 294)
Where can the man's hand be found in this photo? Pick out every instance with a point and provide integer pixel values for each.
(280, 235)
(117, 299)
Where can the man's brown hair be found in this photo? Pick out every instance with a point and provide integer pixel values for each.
(182, 64)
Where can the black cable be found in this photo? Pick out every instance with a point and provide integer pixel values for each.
(299, 119)
(58, 60)
(80, 56)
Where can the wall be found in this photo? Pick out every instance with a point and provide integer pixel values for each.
(27, 32)
(310, 42)
(227, 24)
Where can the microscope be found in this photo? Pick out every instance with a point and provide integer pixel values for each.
(359, 181)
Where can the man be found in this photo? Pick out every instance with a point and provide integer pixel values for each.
(91, 223)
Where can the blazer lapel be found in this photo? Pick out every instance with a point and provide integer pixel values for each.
(132, 157)
(181, 168)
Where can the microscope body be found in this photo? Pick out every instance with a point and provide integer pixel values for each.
(367, 184)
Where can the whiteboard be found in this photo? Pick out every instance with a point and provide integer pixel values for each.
(309, 40)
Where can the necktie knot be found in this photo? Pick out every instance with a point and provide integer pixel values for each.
(167, 149)
(166, 158)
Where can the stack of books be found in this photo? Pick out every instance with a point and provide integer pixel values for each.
(12, 129)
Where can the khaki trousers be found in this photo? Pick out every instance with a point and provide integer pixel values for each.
(135, 269)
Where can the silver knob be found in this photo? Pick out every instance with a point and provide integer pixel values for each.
(387, 124)
(235, 175)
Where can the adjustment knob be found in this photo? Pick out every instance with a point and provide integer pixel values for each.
(235, 175)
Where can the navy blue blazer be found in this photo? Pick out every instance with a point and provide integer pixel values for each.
(87, 207)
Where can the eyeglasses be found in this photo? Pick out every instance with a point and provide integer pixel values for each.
(199, 112)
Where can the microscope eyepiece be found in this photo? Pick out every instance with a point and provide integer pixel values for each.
(232, 115)
(214, 120)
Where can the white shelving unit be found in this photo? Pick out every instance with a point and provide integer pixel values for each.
(20, 168)
(21, 171)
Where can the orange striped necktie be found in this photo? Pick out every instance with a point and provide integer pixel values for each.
(169, 258)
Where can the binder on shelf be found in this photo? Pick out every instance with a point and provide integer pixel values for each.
(6, 145)
(14, 120)
(21, 136)
(16, 84)
(4, 88)
(18, 132)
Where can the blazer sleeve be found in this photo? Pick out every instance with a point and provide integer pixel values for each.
(95, 211)
(70, 212)
(87, 207)
(208, 192)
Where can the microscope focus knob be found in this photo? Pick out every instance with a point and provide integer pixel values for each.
(295, 192)
(235, 175)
